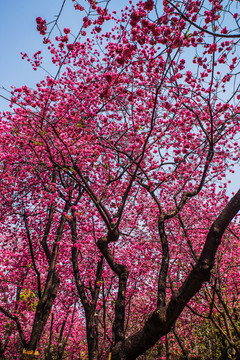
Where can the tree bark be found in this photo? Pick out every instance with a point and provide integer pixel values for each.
(163, 318)
(43, 309)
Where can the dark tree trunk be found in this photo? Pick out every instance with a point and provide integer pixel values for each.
(163, 318)
(43, 309)
(92, 339)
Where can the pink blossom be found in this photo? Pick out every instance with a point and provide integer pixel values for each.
(66, 31)
(224, 30)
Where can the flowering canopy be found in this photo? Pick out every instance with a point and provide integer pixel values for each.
(113, 191)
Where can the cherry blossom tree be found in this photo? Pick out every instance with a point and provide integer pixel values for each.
(113, 183)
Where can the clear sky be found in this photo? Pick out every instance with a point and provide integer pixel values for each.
(18, 33)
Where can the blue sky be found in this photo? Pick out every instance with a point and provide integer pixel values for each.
(19, 34)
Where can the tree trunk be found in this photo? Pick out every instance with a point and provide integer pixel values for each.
(163, 318)
(92, 339)
(43, 310)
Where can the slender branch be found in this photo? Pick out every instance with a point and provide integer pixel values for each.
(227, 312)
(199, 27)
(162, 279)
(16, 320)
(46, 232)
(189, 194)
(79, 284)
(32, 255)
